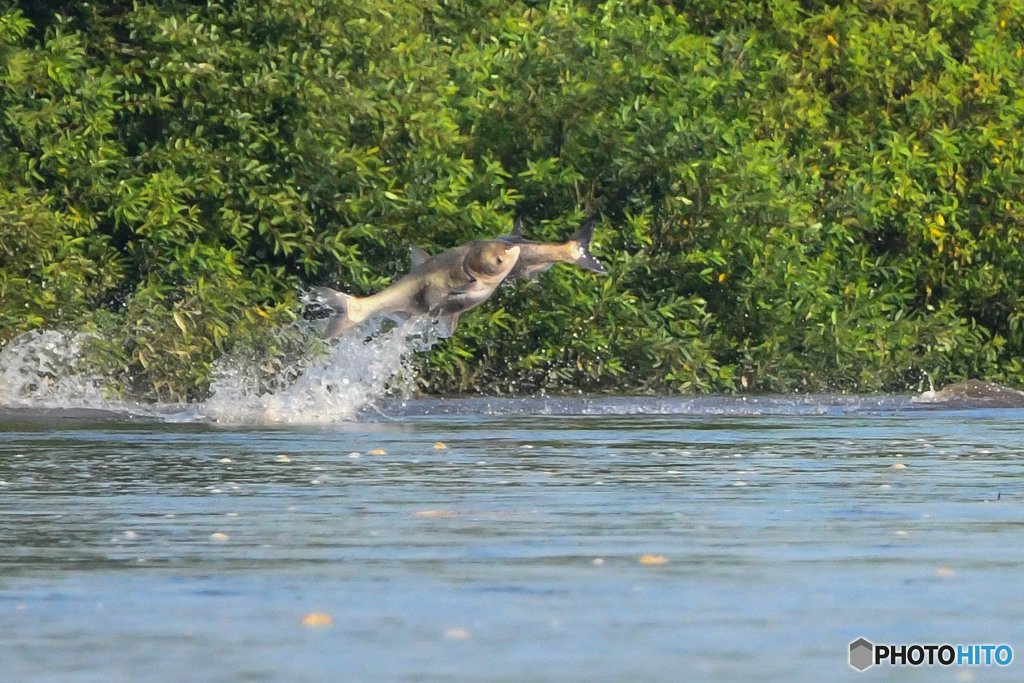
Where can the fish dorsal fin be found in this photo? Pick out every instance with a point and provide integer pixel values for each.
(517, 228)
(419, 255)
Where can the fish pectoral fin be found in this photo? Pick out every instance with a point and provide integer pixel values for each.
(419, 255)
(463, 297)
(467, 288)
(533, 273)
(448, 323)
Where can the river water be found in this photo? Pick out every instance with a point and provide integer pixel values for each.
(549, 540)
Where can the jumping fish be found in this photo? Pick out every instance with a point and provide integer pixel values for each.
(974, 392)
(443, 286)
(537, 257)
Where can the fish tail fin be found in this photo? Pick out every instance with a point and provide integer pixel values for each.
(342, 304)
(583, 257)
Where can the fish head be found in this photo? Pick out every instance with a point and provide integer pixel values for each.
(492, 259)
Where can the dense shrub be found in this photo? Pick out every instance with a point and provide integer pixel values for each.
(792, 195)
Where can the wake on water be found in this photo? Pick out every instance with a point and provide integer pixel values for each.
(41, 370)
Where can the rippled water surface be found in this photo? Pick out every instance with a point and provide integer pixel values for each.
(611, 539)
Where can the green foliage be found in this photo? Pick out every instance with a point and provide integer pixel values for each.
(794, 196)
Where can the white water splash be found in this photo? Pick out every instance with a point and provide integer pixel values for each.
(41, 370)
(350, 378)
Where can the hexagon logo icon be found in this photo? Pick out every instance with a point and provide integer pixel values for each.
(862, 654)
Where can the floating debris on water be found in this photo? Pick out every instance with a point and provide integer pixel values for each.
(597, 561)
(434, 513)
(225, 460)
(653, 559)
(944, 573)
(219, 537)
(456, 634)
(377, 451)
(317, 619)
(130, 535)
(898, 466)
(283, 458)
(440, 445)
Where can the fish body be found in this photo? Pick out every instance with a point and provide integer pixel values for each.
(538, 257)
(443, 286)
(974, 392)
